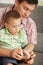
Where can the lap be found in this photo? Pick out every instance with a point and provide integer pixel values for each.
(9, 60)
(19, 62)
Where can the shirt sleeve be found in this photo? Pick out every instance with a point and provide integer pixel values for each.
(32, 32)
(2, 12)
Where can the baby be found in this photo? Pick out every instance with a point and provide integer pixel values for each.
(12, 36)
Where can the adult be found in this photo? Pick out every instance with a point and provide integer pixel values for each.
(25, 8)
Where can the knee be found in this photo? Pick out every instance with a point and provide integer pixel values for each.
(9, 64)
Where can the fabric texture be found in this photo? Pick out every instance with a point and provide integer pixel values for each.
(9, 60)
(10, 41)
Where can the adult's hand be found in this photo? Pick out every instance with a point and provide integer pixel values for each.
(17, 54)
(32, 56)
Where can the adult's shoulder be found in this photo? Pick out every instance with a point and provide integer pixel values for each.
(5, 9)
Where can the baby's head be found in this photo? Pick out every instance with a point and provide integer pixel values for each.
(12, 21)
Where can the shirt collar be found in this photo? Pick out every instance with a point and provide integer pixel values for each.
(6, 31)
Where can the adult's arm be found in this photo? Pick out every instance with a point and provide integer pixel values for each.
(5, 52)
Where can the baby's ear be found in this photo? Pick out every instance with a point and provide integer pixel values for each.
(6, 25)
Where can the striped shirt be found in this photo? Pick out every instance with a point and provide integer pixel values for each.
(9, 41)
(27, 25)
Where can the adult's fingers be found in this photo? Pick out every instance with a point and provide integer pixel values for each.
(32, 54)
(31, 61)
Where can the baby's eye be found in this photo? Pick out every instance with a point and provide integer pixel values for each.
(14, 26)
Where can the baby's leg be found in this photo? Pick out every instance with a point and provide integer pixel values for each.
(9, 61)
(9, 64)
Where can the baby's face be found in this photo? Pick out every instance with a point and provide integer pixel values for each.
(13, 25)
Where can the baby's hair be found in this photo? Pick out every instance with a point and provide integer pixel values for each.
(11, 13)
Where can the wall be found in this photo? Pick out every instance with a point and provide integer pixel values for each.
(7, 2)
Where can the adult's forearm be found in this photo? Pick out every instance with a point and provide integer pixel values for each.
(29, 47)
(4, 52)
